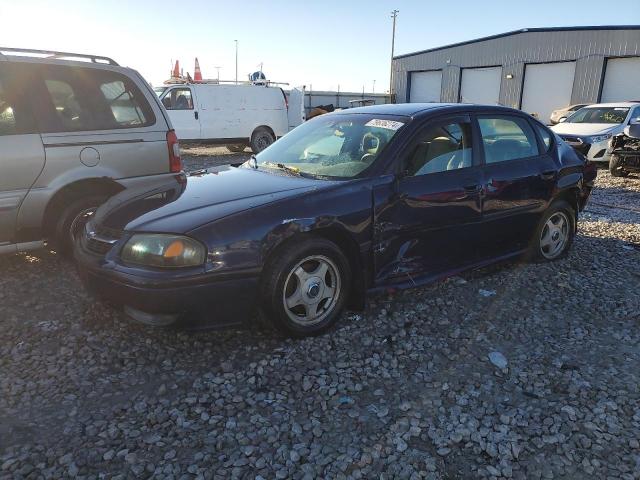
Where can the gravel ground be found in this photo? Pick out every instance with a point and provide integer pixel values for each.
(519, 371)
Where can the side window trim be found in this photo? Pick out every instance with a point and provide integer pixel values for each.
(410, 147)
(480, 115)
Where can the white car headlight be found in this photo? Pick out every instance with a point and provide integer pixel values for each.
(600, 138)
(160, 250)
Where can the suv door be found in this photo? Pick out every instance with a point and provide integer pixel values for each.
(429, 223)
(22, 154)
(520, 174)
(182, 105)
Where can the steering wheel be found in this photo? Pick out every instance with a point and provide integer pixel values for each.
(367, 157)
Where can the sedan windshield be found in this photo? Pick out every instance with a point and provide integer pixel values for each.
(599, 115)
(333, 145)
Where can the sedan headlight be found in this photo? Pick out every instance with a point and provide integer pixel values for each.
(600, 138)
(160, 250)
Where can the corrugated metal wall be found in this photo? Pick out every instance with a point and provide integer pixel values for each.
(589, 48)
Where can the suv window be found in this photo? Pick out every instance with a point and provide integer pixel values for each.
(93, 99)
(507, 138)
(7, 114)
(15, 115)
(178, 99)
(440, 148)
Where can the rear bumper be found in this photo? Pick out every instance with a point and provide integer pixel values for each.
(202, 300)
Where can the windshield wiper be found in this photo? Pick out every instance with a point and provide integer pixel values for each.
(286, 168)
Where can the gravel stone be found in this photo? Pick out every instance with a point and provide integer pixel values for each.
(400, 390)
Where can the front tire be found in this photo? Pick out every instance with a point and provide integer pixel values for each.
(306, 286)
(72, 220)
(615, 167)
(555, 233)
(261, 138)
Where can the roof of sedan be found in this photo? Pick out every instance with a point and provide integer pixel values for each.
(419, 109)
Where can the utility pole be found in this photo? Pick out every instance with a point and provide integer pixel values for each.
(373, 90)
(394, 14)
(236, 61)
(218, 69)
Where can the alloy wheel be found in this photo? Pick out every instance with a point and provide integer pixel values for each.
(311, 290)
(555, 235)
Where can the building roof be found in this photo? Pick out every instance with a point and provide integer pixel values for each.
(523, 30)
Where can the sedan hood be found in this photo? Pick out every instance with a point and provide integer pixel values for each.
(584, 129)
(184, 204)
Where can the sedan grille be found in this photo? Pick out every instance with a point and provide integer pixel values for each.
(99, 239)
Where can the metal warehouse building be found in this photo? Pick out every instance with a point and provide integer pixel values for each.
(534, 69)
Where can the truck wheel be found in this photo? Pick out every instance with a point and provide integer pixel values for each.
(236, 148)
(261, 139)
(305, 287)
(615, 167)
(72, 221)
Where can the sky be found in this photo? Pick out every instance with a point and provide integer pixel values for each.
(322, 45)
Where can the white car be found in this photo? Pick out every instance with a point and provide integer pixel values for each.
(589, 129)
(234, 115)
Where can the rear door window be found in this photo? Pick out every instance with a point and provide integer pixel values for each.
(84, 99)
(545, 135)
(15, 114)
(506, 138)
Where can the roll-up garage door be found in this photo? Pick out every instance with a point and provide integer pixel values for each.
(425, 86)
(481, 85)
(547, 87)
(621, 80)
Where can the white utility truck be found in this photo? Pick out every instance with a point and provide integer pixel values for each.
(237, 115)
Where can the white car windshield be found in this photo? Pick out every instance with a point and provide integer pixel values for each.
(333, 145)
(599, 115)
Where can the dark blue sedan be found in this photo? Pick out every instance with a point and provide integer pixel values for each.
(353, 201)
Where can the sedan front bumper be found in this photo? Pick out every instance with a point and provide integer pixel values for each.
(594, 152)
(199, 301)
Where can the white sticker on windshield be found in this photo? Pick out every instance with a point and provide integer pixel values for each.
(388, 124)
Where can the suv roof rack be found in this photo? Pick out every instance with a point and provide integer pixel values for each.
(61, 55)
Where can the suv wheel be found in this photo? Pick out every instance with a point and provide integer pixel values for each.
(72, 221)
(555, 232)
(261, 139)
(306, 287)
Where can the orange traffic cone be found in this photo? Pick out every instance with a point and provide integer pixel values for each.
(197, 74)
(176, 70)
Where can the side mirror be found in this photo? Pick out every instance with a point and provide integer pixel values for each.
(562, 119)
(633, 129)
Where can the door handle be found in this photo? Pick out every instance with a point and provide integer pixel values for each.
(472, 188)
(548, 175)
(195, 114)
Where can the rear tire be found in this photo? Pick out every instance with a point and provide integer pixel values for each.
(236, 148)
(305, 287)
(555, 233)
(261, 138)
(72, 220)
(615, 167)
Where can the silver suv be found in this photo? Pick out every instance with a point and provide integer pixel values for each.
(74, 130)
